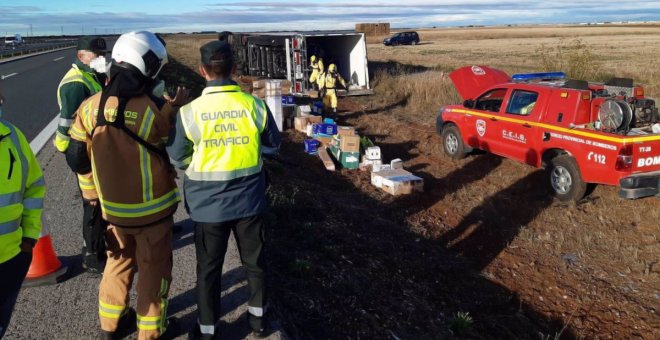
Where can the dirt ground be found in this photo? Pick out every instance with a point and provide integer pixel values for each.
(349, 261)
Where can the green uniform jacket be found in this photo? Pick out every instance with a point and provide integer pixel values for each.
(79, 83)
(22, 190)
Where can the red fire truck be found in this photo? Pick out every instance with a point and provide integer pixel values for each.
(581, 133)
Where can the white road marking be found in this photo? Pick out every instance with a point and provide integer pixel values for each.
(8, 75)
(44, 136)
(60, 58)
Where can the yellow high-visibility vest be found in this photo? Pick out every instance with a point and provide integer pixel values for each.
(225, 125)
(73, 75)
(22, 190)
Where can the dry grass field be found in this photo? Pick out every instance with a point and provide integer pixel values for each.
(485, 238)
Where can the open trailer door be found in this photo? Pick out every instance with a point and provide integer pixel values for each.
(346, 50)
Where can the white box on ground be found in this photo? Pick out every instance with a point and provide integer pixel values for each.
(380, 167)
(396, 164)
(397, 181)
(373, 153)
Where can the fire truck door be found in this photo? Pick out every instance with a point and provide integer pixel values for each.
(518, 133)
(487, 122)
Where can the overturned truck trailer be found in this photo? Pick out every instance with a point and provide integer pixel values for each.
(285, 55)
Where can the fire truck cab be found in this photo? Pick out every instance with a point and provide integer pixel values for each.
(581, 133)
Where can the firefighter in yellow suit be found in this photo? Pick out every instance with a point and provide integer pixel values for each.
(316, 64)
(120, 133)
(22, 190)
(329, 83)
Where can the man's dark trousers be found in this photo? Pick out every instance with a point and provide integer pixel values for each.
(12, 273)
(211, 245)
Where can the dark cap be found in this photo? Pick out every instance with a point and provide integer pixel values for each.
(218, 51)
(92, 43)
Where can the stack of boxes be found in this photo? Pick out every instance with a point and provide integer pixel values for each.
(274, 101)
(341, 142)
(371, 158)
(345, 147)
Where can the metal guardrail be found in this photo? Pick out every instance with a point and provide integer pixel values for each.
(9, 53)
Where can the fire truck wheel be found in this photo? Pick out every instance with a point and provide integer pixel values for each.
(565, 179)
(453, 142)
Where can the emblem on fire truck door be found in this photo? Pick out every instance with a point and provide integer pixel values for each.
(481, 127)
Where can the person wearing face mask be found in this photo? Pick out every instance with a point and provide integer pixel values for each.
(79, 83)
(120, 135)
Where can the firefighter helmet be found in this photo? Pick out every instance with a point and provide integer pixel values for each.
(143, 50)
(332, 68)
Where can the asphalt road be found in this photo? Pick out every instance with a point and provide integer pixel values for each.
(29, 86)
(69, 310)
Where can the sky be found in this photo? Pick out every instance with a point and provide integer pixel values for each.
(47, 17)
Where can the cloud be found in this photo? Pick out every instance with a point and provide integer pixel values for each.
(280, 15)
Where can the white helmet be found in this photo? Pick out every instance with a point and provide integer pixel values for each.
(142, 49)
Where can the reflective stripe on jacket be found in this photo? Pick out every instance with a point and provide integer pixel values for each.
(22, 190)
(135, 185)
(225, 125)
(72, 79)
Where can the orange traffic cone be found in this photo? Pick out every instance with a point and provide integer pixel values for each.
(45, 268)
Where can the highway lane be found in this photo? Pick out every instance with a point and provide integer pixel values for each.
(29, 86)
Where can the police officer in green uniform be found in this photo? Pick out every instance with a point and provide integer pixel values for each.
(79, 83)
(219, 138)
(22, 190)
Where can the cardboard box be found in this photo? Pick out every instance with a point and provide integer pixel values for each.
(259, 86)
(327, 160)
(349, 144)
(396, 164)
(350, 160)
(369, 164)
(300, 123)
(287, 100)
(397, 181)
(380, 167)
(346, 131)
(312, 94)
(325, 129)
(403, 185)
(325, 141)
(373, 153)
(311, 146)
(303, 110)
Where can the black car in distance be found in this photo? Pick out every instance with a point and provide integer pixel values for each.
(402, 38)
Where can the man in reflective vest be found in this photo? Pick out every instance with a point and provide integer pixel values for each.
(218, 139)
(22, 190)
(120, 133)
(79, 83)
(329, 87)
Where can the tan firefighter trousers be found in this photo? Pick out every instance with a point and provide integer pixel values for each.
(150, 249)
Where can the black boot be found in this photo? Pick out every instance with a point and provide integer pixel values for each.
(91, 262)
(125, 327)
(258, 326)
(171, 330)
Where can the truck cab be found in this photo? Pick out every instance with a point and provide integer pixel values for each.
(13, 40)
(580, 133)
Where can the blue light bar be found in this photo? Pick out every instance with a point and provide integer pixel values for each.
(538, 76)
